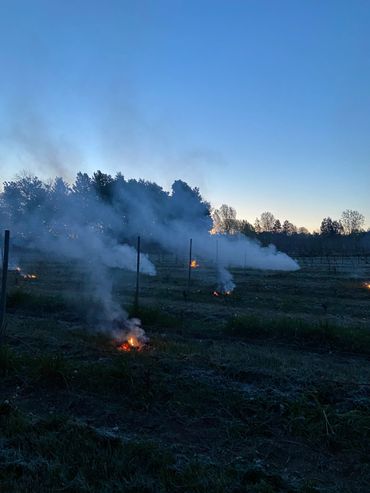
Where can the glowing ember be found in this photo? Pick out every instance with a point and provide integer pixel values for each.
(221, 293)
(124, 347)
(366, 285)
(194, 264)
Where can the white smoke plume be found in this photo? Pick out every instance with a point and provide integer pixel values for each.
(225, 281)
(130, 328)
(187, 219)
(69, 229)
(94, 226)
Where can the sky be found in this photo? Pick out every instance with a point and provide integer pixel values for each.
(263, 104)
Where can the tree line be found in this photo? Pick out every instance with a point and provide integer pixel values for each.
(105, 203)
(345, 235)
(28, 204)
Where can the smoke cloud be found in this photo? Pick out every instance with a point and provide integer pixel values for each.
(95, 220)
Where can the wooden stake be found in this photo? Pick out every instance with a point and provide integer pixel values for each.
(137, 274)
(190, 259)
(3, 284)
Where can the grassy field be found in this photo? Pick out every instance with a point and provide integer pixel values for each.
(267, 390)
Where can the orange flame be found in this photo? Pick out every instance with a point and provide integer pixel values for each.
(366, 285)
(131, 343)
(194, 264)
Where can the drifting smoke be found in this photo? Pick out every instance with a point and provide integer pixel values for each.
(72, 226)
(187, 216)
(239, 251)
(189, 219)
(94, 221)
(225, 281)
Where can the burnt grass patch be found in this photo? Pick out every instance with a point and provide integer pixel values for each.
(224, 398)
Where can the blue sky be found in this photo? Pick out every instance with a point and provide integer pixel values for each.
(263, 104)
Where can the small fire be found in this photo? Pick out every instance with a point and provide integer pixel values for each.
(226, 284)
(29, 276)
(194, 264)
(366, 285)
(25, 276)
(221, 293)
(130, 335)
(131, 343)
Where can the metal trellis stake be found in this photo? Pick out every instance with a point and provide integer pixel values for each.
(190, 259)
(3, 284)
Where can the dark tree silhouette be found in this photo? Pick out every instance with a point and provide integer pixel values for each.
(120, 207)
(277, 226)
(288, 228)
(330, 228)
(246, 228)
(103, 186)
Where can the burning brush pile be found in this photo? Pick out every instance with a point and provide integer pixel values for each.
(129, 335)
